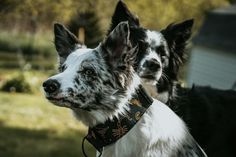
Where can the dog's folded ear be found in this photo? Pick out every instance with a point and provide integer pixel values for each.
(122, 13)
(117, 48)
(65, 41)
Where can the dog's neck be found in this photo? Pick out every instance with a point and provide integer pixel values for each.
(166, 91)
(163, 90)
(112, 130)
(95, 117)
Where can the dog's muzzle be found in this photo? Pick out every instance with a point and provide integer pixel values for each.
(51, 86)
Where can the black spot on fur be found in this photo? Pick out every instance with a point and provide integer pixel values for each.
(108, 82)
(77, 81)
(81, 97)
(62, 67)
(70, 91)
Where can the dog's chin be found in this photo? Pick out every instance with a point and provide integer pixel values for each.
(63, 102)
(150, 78)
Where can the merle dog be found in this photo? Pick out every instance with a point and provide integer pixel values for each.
(208, 112)
(97, 85)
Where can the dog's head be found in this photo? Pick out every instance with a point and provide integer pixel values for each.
(160, 53)
(97, 81)
(165, 51)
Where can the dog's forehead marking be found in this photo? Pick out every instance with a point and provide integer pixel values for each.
(79, 56)
(154, 38)
(152, 55)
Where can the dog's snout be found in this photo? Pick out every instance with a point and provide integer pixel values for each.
(153, 65)
(51, 86)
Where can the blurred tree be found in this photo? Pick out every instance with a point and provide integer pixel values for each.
(157, 14)
(32, 15)
(89, 22)
(29, 14)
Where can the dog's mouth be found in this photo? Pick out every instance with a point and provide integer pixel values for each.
(148, 76)
(63, 102)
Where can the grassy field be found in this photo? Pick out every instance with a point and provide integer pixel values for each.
(32, 127)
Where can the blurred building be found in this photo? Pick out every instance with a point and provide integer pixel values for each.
(213, 57)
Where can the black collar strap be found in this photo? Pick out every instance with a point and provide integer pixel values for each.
(112, 130)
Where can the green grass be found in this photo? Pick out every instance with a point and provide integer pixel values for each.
(32, 127)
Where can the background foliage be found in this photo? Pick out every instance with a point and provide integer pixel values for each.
(34, 15)
(26, 25)
(29, 125)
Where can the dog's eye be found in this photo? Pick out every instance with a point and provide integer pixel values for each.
(160, 50)
(143, 45)
(89, 72)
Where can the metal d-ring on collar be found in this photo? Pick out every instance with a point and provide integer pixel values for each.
(112, 130)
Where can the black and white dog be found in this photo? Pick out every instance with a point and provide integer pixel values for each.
(208, 112)
(97, 85)
(160, 52)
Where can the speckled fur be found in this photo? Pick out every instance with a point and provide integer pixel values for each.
(97, 84)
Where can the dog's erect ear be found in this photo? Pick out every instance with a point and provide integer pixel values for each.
(117, 47)
(122, 13)
(65, 41)
(177, 36)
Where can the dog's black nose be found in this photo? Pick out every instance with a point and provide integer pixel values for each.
(51, 86)
(153, 65)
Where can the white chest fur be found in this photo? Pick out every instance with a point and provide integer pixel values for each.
(158, 133)
(152, 91)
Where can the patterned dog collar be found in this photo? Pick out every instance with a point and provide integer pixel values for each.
(112, 130)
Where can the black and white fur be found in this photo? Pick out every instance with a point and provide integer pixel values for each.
(208, 112)
(97, 85)
(160, 52)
